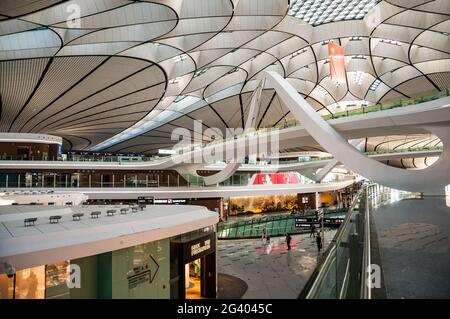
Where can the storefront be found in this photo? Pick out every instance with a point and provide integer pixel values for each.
(41, 282)
(193, 265)
(26, 146)
(171, 254)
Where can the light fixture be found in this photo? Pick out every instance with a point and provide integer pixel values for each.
(296, 53)
(388, 41)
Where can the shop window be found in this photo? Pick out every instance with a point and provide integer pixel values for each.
(6, 287)
(56, 276)
(30, 283)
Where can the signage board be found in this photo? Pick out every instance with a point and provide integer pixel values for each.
(144, 273)
(199, 247)
(170, 201)
(308, 222)
(146, 200)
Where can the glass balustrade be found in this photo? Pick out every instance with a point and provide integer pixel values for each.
(341, 272)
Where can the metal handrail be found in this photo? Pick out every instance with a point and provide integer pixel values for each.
(366, 291)
(315, 282)
(236, 226)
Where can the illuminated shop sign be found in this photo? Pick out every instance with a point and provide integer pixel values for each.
(199, 247)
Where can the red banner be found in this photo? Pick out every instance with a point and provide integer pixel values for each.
(337, 63)
(279, 178)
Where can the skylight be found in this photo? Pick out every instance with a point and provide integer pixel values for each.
(316, 12)
(375, 85)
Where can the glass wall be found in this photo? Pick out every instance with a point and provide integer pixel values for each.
(99, 179)
(6, 287)
(37, 282)
(56, 276)
(30, 283)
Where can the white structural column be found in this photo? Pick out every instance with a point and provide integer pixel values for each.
(333, 162)
(325, 170)
(223, 175)
(250, 124)
(431, 180)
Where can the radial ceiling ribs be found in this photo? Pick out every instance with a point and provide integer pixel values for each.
(203, 58)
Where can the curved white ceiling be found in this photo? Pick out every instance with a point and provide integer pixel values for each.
(129, 72)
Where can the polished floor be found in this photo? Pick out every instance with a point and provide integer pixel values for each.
(414, 243)
(270, 270)
(193, 291)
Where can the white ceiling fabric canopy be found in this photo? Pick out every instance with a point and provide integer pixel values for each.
(127, 73)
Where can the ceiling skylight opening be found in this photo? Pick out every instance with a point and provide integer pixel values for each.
(179, 98)
(180, 57)
(323, 11)
(375, 85)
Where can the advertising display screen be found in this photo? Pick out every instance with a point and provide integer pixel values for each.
(277, 178)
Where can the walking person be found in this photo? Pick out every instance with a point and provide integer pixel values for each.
(288, 241)
(313, 231)
(319, 242)
(264, 235)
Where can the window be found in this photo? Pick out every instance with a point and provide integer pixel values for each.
(30, 283)
(6, 287)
